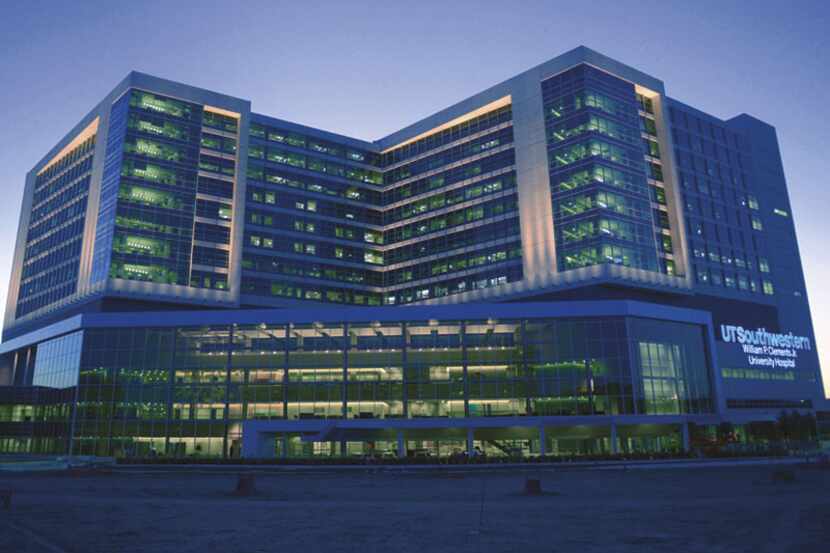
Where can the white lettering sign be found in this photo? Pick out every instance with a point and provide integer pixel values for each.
(766, 349)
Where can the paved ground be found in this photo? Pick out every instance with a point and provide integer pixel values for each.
(712, 510)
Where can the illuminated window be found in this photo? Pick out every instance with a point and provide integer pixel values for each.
(375, 258)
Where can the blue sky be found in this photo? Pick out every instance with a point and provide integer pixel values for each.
(369, 68)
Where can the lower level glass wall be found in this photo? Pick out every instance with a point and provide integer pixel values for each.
(513, 442)
(187, 391)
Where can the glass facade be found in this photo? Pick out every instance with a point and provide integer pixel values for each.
(728, 245)
(167, 193)
(186, 391)
(56, 230)
(57, 362)
(599, 177)
(38, 418)
(414, 217)
(314, 226)
(332, 222)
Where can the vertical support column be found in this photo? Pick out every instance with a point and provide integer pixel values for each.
(73, 417)
(684, 433)
(614, 447)
(470, 445)
(463, 326)
(227, 410)
(171, 382)
(543, 442)
(525, 370)
(284, 448)
(344, 391)
(590, 384)
(29, 373)
(401, 445)
(285, 379)
(404, 369)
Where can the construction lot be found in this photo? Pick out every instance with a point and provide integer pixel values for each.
(727, 509)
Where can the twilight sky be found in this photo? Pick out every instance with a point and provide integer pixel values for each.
(367, 68)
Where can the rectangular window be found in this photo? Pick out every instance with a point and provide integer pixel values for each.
(375, 258)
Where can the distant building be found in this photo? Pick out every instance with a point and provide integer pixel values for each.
(567, 262)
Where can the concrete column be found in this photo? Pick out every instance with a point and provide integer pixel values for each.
(684, 433)
(543, 445)
(401, 445)
(470, 445)
(284, 452)
(614, 447)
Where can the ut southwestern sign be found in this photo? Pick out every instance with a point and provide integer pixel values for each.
(766, 349)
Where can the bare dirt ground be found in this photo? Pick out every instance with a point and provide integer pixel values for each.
(712, 510)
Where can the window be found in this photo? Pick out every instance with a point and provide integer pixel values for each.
(756, 224)
(763, 265)
(373, 237)
(768, 289)
(375, 258)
